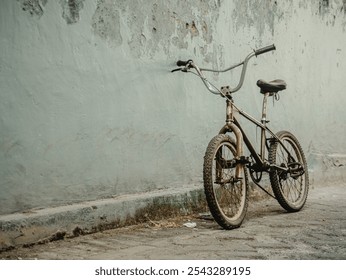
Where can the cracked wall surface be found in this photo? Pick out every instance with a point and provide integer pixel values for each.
(89, 108)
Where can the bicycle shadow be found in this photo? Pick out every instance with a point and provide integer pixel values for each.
(256, 210)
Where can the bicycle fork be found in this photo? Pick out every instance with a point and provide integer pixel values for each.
(230, 126)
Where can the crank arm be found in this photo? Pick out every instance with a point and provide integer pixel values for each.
(277, 167)
(228, 181)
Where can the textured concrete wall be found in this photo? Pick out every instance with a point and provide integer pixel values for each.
(90, 110)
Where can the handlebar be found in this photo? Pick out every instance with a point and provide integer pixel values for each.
(265, 49)
(213, 89)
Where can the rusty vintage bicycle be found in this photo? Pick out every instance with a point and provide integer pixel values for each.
(226, 165)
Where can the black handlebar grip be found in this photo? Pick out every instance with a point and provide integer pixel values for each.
(265, 49)
(182, 63)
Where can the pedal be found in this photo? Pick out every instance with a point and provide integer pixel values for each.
(243, 160)
(231, 180)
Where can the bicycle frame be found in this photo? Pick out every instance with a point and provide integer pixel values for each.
(232, 125)
(232, 122)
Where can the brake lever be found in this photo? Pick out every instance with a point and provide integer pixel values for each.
(178, 69)
(182, 69)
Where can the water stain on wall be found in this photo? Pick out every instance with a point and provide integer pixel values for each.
(71, 9)
(331, 11)
(323, 6)
(33, 7)
(258, 14)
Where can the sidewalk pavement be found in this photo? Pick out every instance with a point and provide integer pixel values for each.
(268, 232)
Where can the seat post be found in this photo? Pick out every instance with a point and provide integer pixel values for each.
(264, 109)
(264, 121)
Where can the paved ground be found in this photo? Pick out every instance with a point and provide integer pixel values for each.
(317, 232)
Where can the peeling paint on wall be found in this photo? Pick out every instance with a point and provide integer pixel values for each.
(150, 28)
(71, 9)
(165, 25)
(158, 26)
(106, 22)
(33, 7)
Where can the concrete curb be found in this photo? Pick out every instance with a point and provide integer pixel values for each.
(44, 225)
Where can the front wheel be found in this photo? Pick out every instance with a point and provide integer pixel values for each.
(289, 178)
(226, 195)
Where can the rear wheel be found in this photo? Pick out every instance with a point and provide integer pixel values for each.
(289, 180)
(226, 195)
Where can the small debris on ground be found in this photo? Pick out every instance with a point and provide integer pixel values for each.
(190, 225)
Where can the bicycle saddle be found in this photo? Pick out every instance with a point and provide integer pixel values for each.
(271, 87)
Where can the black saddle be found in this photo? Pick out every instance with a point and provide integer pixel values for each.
(271, 87)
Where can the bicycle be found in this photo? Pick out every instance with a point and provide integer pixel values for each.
(225, 168)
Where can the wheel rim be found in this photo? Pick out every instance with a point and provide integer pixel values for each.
(292, 186)
(230, 195)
